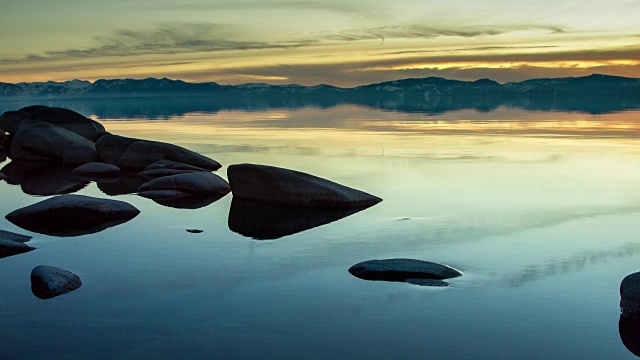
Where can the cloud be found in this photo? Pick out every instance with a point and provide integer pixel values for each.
(164, 39)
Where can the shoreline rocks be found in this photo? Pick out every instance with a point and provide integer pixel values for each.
(48, 281)
(270, 184)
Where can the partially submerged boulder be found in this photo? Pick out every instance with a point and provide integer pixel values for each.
(168, 164)
(630, 296)
(46, 142)
(72, 215)
(286, 187)
(404, 270)
(10, 248)
(13, 237)
(97, 169)
(136, 154)
(48, 281)
(180, 199)
(202, 183)
(66, 119)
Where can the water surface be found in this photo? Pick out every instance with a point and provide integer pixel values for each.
(539, 209)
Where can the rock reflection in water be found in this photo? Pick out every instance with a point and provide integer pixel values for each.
(180, 200)
(629, 330)
(262, 221)
(42, 179)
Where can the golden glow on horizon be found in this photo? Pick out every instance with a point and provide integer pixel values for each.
(510, 65)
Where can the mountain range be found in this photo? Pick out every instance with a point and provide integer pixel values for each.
(414, 88)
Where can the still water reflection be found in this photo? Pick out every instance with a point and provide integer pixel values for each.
(540, 210)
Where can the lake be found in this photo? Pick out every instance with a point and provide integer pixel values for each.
(539, 209)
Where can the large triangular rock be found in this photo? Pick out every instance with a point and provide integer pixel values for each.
(136, 154)
(281, 186)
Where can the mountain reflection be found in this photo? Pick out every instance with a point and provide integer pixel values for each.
(166, 108)
(262, 221)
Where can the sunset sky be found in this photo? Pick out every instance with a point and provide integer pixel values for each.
(344, 43)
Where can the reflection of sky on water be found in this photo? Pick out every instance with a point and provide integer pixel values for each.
(543, 226)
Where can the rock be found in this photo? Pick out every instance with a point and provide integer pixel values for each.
(48, 281)
(195, 231)
(127, 183)
(32, 108)
(46, 142)
(168, 164)
(10, 248)
(629, 330)
(201, 183)
(78, 154)
(13, 237)
(263, 221)
(2, 176)
(630, 296)
(286, 187)
(156, 173)
(136, 154)
(5, 141)
(42, 179)
(66, 119)
(179, 199)
(10, 120)
(72, 215)
(96, 169)
(405, 270)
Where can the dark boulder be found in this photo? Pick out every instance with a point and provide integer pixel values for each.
(263, 221)
(404, 270)
(10, 120)
(97, 169)
(199, 182)
(180, 199)
(127, 183)
(13, 237)
(72, 215)
(630, 296)
(46, 142)
(48, 281)
(156, 173)
(286, 187)
(66, 119)
(32, 108)
(173, 165)
(10, 248)
(135, 154)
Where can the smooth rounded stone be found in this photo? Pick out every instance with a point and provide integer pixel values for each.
(629, 330)
(173, 165)
(199, 182)
(97, 169)
(156, 173)
(10, 120)
(31, 108)
(630, 296)
(293, 188)
(5, 141)
(402, 270)
(72, 215)
(195, 231)
(10, 248)
(66, 119)
(46, 142)
(180, 199)
(136, 154)
(78, 154)
(48, 281)
(14, 237)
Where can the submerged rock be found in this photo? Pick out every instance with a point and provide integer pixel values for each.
(97, 169)
(263, 221)
(201, 183)
(46, 142)
(72, 215)
(66, 119)
(286, 187)
(404, 270)
(10, 248)
(136, 154)
(630, 296)
(48, 281)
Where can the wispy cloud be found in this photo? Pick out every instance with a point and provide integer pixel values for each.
(165, 39)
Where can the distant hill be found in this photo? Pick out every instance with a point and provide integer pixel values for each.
(419, 88)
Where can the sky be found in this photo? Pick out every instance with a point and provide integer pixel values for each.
(310, 42)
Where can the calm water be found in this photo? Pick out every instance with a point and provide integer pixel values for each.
(540, 210)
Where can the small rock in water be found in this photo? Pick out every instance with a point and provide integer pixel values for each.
(195, 231)
(10, 236)
(405, 270)
(49, 281)
(10, 248)
(630, 296)
(199, 182)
